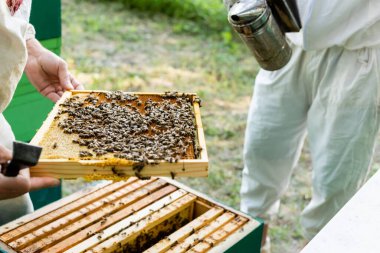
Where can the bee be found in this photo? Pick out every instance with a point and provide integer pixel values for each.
(85, 154)
(162, 130)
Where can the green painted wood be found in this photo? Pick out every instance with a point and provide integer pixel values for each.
(26, 114)
(46, 18)
(53, 44)
(44, 197)
(251, 243)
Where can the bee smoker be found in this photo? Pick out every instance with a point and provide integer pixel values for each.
(262, 26)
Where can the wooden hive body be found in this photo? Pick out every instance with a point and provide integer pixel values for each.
(155, 215)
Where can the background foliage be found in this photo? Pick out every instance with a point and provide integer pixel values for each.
(209, 14)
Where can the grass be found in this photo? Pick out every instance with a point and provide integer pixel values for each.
(111, 47)
(205, 14)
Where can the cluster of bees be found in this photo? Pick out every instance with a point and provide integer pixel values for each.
(133, 127)
(148, 238)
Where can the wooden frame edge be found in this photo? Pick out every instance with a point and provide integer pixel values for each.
(200, 132)
(128, 92)
(207, 198)
(49, 120)
(248, 228)
(49, 208)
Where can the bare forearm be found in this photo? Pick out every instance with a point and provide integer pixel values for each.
(34, 47)
(48, 72)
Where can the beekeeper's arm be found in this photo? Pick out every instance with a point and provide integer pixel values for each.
(45, 70)
(48, 72)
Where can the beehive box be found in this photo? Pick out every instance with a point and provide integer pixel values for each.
(155, 215)
(100, 134)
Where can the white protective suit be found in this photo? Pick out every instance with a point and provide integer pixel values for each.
(14, 30)
(330, 88)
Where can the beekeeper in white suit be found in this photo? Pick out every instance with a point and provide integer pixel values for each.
(329, 89)
(20, 51)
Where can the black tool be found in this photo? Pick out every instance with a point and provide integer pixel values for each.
(24, 156)
(287, 15)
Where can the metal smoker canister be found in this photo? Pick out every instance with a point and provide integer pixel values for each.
(254, 22)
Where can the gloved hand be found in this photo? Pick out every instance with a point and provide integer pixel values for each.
(11, 187)
(48, 72)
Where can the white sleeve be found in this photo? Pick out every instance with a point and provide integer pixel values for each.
(13, 53)
(330, 23)
(30, 32)
(24, 13)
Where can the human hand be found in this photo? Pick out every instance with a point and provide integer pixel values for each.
(11, 187)
(48, 72)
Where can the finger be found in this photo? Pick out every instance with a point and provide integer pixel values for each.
(5, 154)
(76, 84)
(43, 182)
(64, 76)
(53, 96)
(11, 187)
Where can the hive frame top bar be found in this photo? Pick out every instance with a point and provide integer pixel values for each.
(107, 168)
(242, 233)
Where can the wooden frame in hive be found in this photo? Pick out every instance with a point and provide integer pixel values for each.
(156, 215)
(97, 168)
